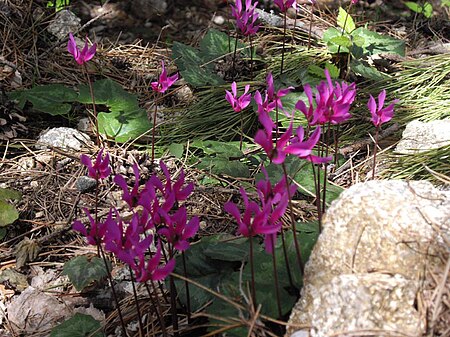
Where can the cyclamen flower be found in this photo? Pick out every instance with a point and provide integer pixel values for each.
(332, 102)
(177, 230)
(276, 153)
(245, 18)
(100, 169)
(284, 5)
(164, 82)
(81, 56)
(152, 269)
(273, 96)
(131, 198)
(303, 149)
(238, 103)
(381, 115)
(96, 233)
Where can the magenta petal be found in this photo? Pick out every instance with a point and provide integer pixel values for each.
(381, 98)
(161, 273)
(90, 53)
(191, 228)
(72, 46)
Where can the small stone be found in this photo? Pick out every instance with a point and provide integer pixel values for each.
(84, 125)
(85, 184)
(63, 138)
(64, 23)
(219, 20)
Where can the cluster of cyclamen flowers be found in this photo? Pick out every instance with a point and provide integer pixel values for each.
(130, 241)
(245, 16)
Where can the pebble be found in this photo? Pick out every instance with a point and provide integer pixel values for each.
(219, 20)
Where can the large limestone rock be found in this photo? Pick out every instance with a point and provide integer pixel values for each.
(420, 136)
(367, 269)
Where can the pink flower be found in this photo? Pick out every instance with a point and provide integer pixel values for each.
(381, 115)
(81, 56)
(100, 169)
(284, 5)
(303, 149)
(238, 103)
(177, 230)
(273, 96)
(96, 233)
(152, 268)
(245, 18)
(130, 197)
(164, 82)
(354, 2)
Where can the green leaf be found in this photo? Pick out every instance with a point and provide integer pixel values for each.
(330, 34)
(9, 194)
(445, 3)
(365, 70)
(83, 271)
(123, 126)
(343, 41)
(345, 21)
(427, 10)
(415, 7)
(375, 43)
(78, 326)
(176, 150)
(200, 77)
(8, 214)
(185, 56)
(51, 98)
(110, 93)
(220, 149)
(215, 44)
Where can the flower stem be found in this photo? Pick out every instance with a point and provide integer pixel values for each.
(173, 299)
(286, 259)
(116, 299)
(233, 61)
(284, 42)
(251, 57)
(294, 230)
(375, 151)
(325, 180)
(252, 270)
(310, 26)
(317, 186)
(91, 92)
(275, 277)
(154, 127)
(186, 284)
(157, 307)
(136, 302)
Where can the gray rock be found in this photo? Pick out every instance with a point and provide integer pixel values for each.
(368, 263)
(63, 138)
(149, 9)
(64, 23)
(85, 184)
(422, 136)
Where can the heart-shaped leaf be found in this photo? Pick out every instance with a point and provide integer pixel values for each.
(83, 271)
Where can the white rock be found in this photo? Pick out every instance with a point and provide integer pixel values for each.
(63, 138)
(219, 20)
(422, 136)
(368, 263)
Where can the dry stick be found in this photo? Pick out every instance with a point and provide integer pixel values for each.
(173, 299)
(91, 92)
(294, 230)
(310, 25)
(275, 276)
(186, 285)
(233, 61)
(138, 308)
(116, 299)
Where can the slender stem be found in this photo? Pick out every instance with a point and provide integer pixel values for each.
(277, 132)
(173, 299)
(310, 26)
(154, 127)
(343, 30)
(275, 277)
(317, 186)
(186, 284)
(157, 307)
(336, 145)
(294, 230)
(136, 302)
(375, 151)
(251, 56)
(242, 131)
(252, 270)
(293, 30)
(116, 299)
(286, 259)
(325, 180)
(91, 92)
(284, 37)
(233, 61)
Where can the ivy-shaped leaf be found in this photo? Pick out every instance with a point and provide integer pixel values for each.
(83, 271)
(345, 21)
(51, 98)
(78, 326)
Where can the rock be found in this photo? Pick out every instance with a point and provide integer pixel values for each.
(149, 9)
(63, 138)
(34, 311)
(85, 184)
(422, 136)
(368, 264)
(65, 22)
(219, 20)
